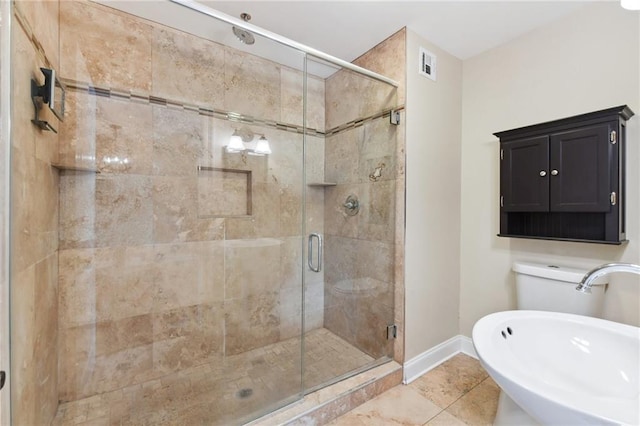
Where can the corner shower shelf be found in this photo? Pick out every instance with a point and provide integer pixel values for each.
(75, 168)
(321, 184)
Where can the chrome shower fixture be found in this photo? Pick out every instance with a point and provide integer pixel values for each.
(243, 35)
(351, 205)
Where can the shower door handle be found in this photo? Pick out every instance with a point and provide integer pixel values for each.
(310, 252)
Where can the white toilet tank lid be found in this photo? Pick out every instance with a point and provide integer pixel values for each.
(554, 272)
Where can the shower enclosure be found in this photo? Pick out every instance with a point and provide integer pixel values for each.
(209, 235)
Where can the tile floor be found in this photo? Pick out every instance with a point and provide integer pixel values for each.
(458, 392)
(212, 394)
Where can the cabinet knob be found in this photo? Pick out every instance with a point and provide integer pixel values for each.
(543, 173)
(554, 172)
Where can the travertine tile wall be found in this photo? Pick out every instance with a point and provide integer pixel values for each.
(150, 281)
(34, 210)
(363, 277)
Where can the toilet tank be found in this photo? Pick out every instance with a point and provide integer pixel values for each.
(543, 287)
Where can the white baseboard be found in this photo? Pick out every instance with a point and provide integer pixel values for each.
(435, 356)
(466, 346)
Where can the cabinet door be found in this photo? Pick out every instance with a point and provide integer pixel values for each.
(524, 177)
(580, 169)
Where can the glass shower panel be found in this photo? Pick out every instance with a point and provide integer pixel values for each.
(351, 203)
(181, 188)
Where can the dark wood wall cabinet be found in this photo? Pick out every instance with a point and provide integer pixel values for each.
(565, 179)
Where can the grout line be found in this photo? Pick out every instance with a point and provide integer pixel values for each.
(465, 393)
(458, 399)
(431, 418)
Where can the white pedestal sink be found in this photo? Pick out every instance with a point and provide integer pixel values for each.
(563, 369)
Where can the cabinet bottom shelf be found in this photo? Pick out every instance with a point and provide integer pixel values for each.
(571, 240)
(562, 226)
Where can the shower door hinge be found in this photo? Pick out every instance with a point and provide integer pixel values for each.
(394, 117)
(392, 332)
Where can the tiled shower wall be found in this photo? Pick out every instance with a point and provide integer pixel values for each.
(152, 279)
(148, 279)
(34, 210)
(362, 277)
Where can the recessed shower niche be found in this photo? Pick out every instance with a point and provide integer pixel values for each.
(223, 192)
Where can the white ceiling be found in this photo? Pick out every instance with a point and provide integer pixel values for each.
(347, 29)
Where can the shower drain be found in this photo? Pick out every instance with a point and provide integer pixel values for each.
(245, 393)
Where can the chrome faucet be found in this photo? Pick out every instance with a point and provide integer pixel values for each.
(594, 274)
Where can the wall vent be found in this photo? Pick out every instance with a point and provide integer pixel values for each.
(427, 63)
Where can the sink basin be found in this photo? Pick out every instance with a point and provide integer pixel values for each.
(563, 369)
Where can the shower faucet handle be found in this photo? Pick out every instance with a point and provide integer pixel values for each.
(352, 205)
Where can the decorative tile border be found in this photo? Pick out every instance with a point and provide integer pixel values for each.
(361, 121)
(216, 113)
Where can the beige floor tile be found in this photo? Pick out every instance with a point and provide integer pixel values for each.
(459, 385)
(478, 406)
(445, 419)
(449, 381)
(401, 405)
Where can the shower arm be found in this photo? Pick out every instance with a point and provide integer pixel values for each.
(206, 10)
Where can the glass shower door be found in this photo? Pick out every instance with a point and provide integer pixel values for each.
(351, 169)
(171, 289)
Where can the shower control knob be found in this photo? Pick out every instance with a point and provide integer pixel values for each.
(351, 205)
(543, 173)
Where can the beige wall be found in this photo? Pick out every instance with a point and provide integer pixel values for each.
(584, 62)
(432, 251)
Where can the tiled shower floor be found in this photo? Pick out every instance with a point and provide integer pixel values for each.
(212, 394)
